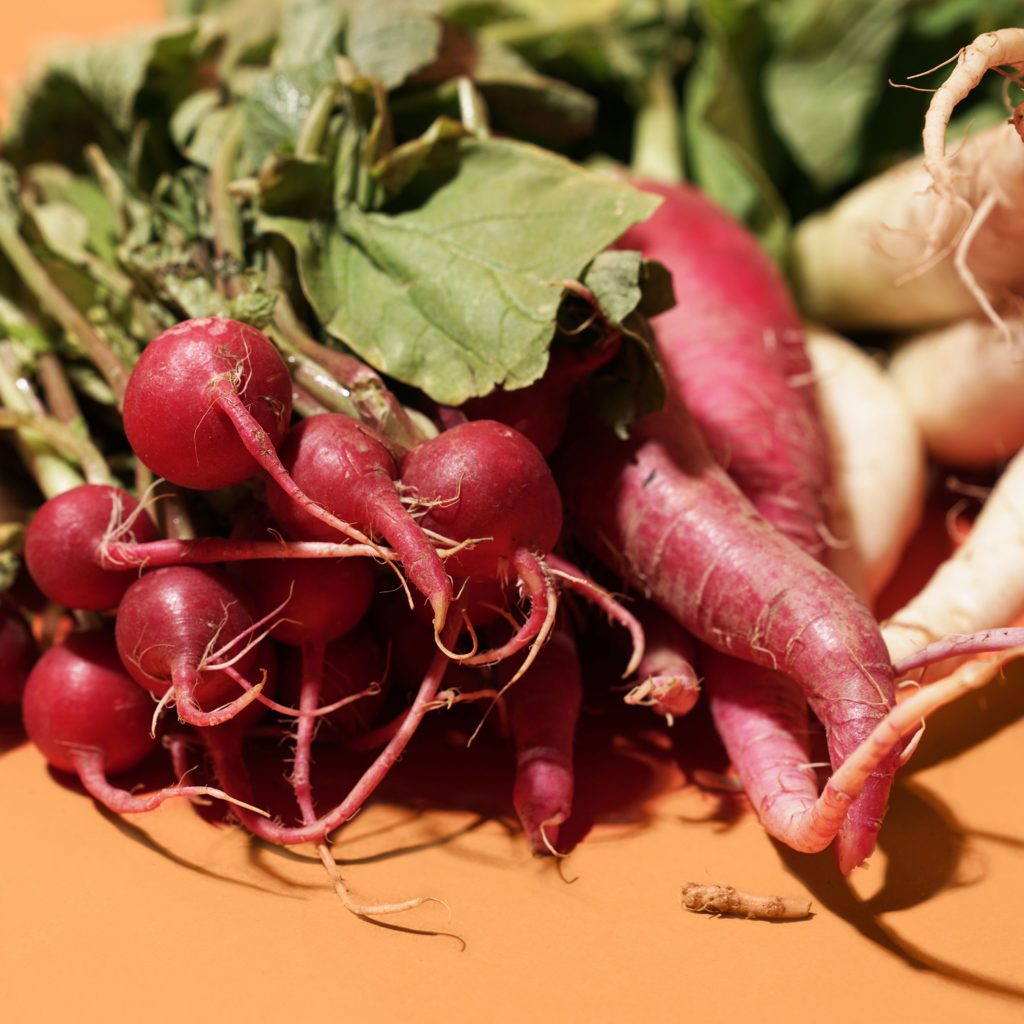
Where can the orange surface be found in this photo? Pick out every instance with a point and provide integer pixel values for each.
(170, 918)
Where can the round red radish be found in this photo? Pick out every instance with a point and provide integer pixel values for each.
(63, 541)
(350, 470)
(322, 599)
(173, 418)
(171, 621)
(80, 698)
(485, 480)
(18, 654)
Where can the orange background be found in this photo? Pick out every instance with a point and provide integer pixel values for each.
(167, 917)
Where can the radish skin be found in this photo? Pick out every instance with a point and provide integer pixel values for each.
(963, 385)
(878, 462)
(660, 510)
(980, 586)
(874, 261)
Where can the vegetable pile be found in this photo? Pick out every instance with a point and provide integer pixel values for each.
(343, 383)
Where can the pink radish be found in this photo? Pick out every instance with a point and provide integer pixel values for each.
(18, 654)
(350, 470)
(662, 511)
(87, 716)
(733, 348)
(543, 708)
(668, 678)
(177, 630)
(206, 406)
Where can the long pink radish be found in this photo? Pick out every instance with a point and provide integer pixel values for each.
(733, 349)
(661, 510)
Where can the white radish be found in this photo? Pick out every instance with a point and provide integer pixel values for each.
(878, 462)
(901, 253)
(980, 586)
(964, 385)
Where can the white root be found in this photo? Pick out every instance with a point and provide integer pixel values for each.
(724, 899)
(879, 469)
(981, 586)
(963, 385)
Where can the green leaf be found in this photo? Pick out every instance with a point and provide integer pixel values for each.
(391, 41)
(823, 80)
(89, 92)
(460, 292)
(277, 106)
(309, 31)
(632, 385)
(725, 157)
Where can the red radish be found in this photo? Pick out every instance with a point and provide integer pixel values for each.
(87, 716)
(661, 510)
(668, 679)
(354, 667)
(85, 547)
(18, 654)
(207, 404)
(171, 624)
(543, 708)
(350, 470)
(64, 542)
(733, 348)
(540, 412)
(485, 480)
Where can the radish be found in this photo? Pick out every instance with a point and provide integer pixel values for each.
(878, 462)
(668, 680)
(733, 350)
(86, 546)
(661, 510)
(734, 353)
(182, 635)
(350, 470)
(484, 481)
(926, 244)
(967, 419)
(543, 708)
(86, 716)
(63, 545)
(206, 406)
(980, 585)
(18, 654)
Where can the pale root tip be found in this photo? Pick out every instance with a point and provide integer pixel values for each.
(853, 847)
(440, 604)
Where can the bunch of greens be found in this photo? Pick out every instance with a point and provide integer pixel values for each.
(352, 176)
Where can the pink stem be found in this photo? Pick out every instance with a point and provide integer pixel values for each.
(538, 589)
(257, 443)
(89, 765)
(283, 709)
(312, 679)
(184, 684)
(578, 581)
(228, 770)
(211, 550)
(959, 645)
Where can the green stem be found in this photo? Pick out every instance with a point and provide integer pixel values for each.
(314, 128)
(62, 438)
(224, 216)
(60, 399)
(473, 108)
(657, 149)
(60, 307)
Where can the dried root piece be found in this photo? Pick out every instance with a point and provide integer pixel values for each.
(724, 899)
